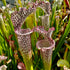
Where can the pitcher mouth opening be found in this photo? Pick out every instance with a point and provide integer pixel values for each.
(45, 44)
(23, 31)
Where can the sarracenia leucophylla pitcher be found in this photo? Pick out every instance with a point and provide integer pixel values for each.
(23, 35)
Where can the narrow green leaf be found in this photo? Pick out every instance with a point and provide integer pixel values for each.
(11, 53)
(3, 28)
(52, 18)
(61, 41)
(68, 46)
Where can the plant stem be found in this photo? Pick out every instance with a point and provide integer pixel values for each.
(4, 2)
(3, 28)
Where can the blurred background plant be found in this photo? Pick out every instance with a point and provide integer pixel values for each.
(59, 18)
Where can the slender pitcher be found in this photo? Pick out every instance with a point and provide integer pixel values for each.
(24, 41)
(45, 21)
(46, 48)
